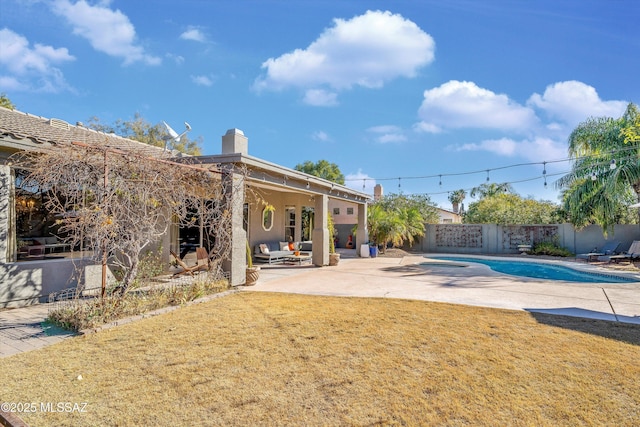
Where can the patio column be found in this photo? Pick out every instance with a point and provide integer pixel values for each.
(362, 234)
(236, 263)
(7, 216)
(321, 231)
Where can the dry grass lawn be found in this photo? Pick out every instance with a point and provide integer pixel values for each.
(278, 359)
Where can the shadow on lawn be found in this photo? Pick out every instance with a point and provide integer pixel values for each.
(626, 332)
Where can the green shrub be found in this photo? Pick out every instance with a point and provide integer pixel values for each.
(551, 248)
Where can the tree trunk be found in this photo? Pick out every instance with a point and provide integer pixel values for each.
(130, 276)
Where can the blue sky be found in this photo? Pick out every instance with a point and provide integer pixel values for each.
(395, 92)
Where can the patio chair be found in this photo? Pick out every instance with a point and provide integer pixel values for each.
(630, 254)
(609, 248)
(202, 263)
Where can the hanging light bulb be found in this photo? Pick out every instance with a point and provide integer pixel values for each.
(613, 165)
(487, 175)
(544, 168)
(440, 183)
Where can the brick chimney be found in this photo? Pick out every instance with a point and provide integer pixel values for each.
(377, 192)
(234, 141)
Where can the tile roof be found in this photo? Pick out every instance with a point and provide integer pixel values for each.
(40, 130)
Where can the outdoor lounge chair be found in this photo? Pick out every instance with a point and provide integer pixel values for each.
(202, 263)
(632, 253)
(609, 248)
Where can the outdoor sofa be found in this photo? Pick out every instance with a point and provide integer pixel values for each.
(277, 252)
(37, 247)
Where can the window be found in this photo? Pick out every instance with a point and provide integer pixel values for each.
(336, 211)
(290, 225)
(349, 211)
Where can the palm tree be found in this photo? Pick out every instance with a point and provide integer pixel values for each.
(395, 225)
(492, 189)
(456, 197)
(605, 171)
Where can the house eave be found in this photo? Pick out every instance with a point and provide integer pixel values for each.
(265, 173)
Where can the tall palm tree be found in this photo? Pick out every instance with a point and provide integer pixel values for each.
(606, 169)
(456, 197)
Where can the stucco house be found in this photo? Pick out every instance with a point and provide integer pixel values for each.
(29, 273)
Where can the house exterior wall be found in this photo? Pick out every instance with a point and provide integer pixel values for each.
(26, 283)
(342, 207)
(448, 217)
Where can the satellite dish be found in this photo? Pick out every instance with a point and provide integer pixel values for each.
(173, 135)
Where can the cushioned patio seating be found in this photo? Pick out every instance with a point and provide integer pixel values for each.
(276, 252)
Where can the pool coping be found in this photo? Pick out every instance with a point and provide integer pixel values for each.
(584, 268)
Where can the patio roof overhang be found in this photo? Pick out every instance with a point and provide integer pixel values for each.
(267, 175)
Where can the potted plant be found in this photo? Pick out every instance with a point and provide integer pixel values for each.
(253, 273)
(334, 258)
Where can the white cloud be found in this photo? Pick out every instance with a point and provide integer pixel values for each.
(28, 64)
(320, 98)
(12, 84)
(367, 51)
(108, 31)
(457, 104)
(502, 146)
(194, 34)
(573, 102)
(541, 148)
(387, 134)
(202, 80)
(537, 149)
(423, 127)
(178, 59)
(320, 136)
(360, 181)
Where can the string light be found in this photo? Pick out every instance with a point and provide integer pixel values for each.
(515, 165)
(488, 175)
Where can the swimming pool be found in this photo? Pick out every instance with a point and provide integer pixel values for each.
(539, 270)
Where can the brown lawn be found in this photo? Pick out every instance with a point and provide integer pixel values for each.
(278, 359)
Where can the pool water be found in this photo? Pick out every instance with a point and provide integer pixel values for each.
(541, 271)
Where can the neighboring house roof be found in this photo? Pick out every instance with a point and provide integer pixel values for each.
(27, 131)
